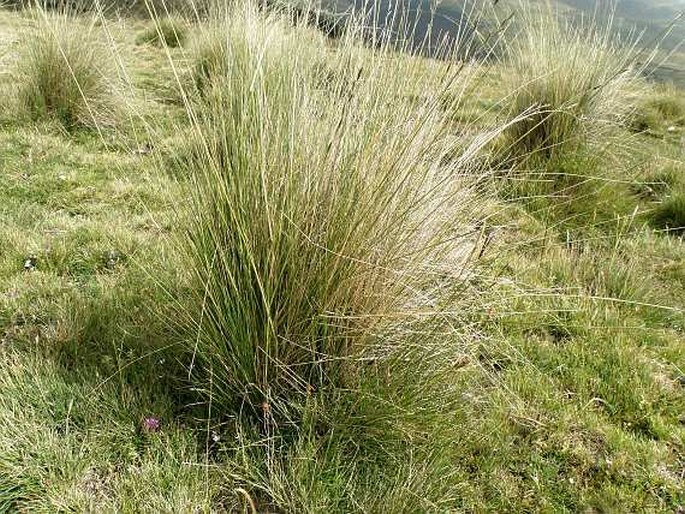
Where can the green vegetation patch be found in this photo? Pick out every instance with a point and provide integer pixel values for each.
(66, 74)
(251, 305)
(164, 32)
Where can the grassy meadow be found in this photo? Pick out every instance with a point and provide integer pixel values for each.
(248, 267)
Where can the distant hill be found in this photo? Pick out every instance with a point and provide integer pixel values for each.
(434, 20)
(658, 19)
(661, 23)
(638, 10)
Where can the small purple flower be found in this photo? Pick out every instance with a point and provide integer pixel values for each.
(151, 424)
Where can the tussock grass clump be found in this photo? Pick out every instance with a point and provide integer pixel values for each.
(209, 58)
(323, 241)
(66, 73)
(577, 78)
(662, 108)
(164, 32)
(317, 216)
(670, 214)
(659, 182)
(671, 107)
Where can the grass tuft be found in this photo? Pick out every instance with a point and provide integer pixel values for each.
(670, 214)
(574, 79)
(164, 32)
(318, 218)
(66, 74)
(664, 108)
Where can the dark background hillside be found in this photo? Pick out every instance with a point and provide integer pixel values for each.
(662, 23)
(433, 23)
(656, 20)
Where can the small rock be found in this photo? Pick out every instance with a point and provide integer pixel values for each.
(144, 149)
(112, 259)
(30, 263)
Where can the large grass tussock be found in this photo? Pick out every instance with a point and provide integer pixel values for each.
(66, 74)
(580, 77)
(322, 210)
(325, 237)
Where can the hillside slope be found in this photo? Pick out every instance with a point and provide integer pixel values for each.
(457, 21)
(556, 369)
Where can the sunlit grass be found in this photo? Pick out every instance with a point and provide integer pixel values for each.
(580, 75)
(65, 74)
(298, 265)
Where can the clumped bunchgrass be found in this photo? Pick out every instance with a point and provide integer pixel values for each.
(65, 72)
(312, 214)
(163, 32)
(209, 59)
(322, 227)
(671, 106)
(575, 78)
(670, 214)
(661, 109)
